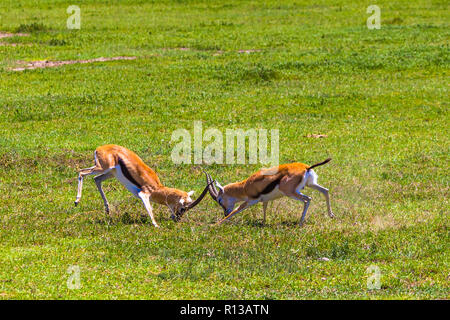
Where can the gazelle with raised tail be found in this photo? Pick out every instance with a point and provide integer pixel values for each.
(267, 185)
(119, 162)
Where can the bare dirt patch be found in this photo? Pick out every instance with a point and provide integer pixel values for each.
(40, 64)
(67, 159)
(10, 44)
(216, 53)
(8, 34)
(249, 51)
(317, 136)
(179, 49)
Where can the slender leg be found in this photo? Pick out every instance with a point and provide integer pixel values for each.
(306, 200)
(98, 181)
(145, 197)
(327, 197)
(264, 210)
(82, 173)
(305, 209)
(243, 206)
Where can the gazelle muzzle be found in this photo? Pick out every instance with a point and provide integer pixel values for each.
(179, 214)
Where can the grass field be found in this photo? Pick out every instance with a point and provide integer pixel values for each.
(312, 67)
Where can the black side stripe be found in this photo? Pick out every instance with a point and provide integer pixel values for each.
(127, 174)
(269, 188)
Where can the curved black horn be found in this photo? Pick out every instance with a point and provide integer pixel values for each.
(214, 187)
(197, 201)
(211, 187)
(213, 191)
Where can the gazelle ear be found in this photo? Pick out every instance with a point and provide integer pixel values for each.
(220, 187)
(190, 193)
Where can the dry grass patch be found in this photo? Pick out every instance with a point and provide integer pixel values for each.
(8, 44)
(40, 64)
(4, 35)
(9, 35)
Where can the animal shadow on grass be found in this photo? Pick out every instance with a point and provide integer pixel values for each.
(250, 221)
(292, 223)
(257, 223)
(123, 212)
(133, 218)
(125, 218)
(129, 212)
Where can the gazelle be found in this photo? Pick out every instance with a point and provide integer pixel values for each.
(116, 161)
(267, 185)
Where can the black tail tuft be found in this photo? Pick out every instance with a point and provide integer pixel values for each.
(319, 164)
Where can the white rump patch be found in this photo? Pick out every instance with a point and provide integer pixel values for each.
(312, 178)
(302, 183)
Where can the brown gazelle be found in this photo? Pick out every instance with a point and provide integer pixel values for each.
(267, 185)
(116, 161)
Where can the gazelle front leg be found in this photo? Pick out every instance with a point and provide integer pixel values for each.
(145, 197)
(264, 211)
(243, 206)
(327, 197)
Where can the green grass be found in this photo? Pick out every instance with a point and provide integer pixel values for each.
(380, 96)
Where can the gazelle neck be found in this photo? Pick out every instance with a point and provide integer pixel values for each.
(236, 191)
(166, 196)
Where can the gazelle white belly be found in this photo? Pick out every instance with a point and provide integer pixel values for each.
(272, 195)
(127, 183)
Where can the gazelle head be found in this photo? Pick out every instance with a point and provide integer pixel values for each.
(184, 203)
(219, 195)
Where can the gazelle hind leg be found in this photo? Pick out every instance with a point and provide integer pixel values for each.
(306, 201)
(81, 174)
(327, 196)
(312, 183)
(98, 181)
